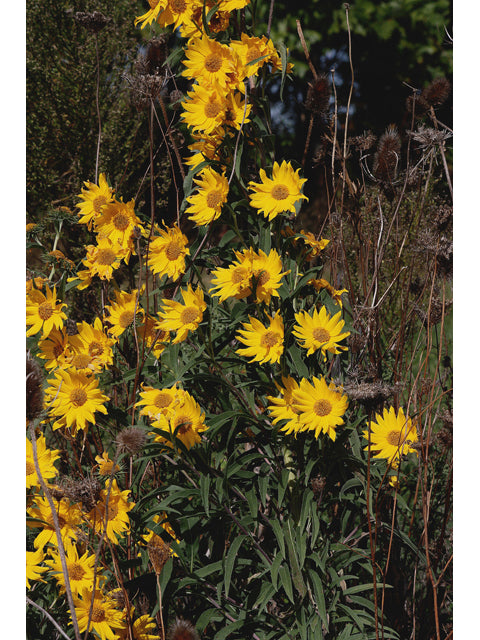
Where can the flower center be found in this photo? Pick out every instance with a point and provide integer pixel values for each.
(214, 198)
(213, 62)
(188, 315)
(126, 319)
(253, 54)
(173, 250)
(30, 468)
(98, 614)
(185, 424)
(95, 349)
(81, 361)
(76, 571)
(395, 438)
(263, 278)
(212, 109)
(105, 257)
(78, 396)
(45, 310)
(238, 275)
(120, 221)
(98, 203)
(58, 350)
(162, 400)
(322, 408)
(280, 192)
(178, 6)
(320, 334)
(112, 510)
(61, 520)
(269, 339)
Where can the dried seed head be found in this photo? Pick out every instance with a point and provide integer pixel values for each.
(159, 553)
(34, 389)
(118, 596)
(437, 92)
(93, 22)
(364, 142)
(318, 485)
(318, 96)
(388, 155)
(71, 327)
(83, 490)
(156, 54)
(427, 138)
(370, 393)
(417, 104)
(131, 440)
(182, 630)
(176, 97)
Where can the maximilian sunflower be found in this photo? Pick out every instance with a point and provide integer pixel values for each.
(282, 408)
(263, 343)
(279, 193)
(185, 317)
(320, 406)
(167, 251)
(320, 331)
(43, 311)
(206, 204)
(94, 197)
(391, 436)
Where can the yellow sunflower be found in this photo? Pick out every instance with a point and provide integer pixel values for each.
(94, 197)
(186, 422)
(43, 311)
(391, 436)
(91, 341)
(158, 402)
(117, 223)
(104, 618)
(156, 6)
(313, 246)
(206, 205)
(207, 61)
(123, 312)
(33, 570)
(321, 283)
(73, 398)
(234, 281)
(118, 521)
(320, 331)
(279, 193)
(80, 569)
(204, 110)
(105, 465)
(320, 406)
(253, 52)
(236, 114)
(266, 275)
(46, 458)
(143, 628)
(263, 343)
(166, 253)
(282, 408)
(69, 518)
(55, 349)
(205, 147)
(101, 260)
(185, 317)
(150, 335)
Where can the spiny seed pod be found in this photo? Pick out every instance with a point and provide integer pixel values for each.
(93, 22)
(417, 104)
(131, 440)
(182, 630)
(158, 553)
(83, 490)
(437, 92)
(388, 155)
(34, 389)
(318, 96)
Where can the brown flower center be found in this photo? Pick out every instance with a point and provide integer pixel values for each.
(95, 349)
(120, 221)
(212, 109)
(280, 192)
(263, 278)
(105, 257)
(173, 250)
(253, 54)
(98, 203)
(81, 361)
(188, 315)
(395, 438)
(269, 339)
(45, 310)
(78, 396)
(98, 614)
(126, 319)
(30, 468)
(162, 400)
(112, 510)
(76, 571)
(58, 350)
(185, 424)
(178, 6)
(322, 408)
(61, 521)
(320, 334)
(213, 62)
(214, 199)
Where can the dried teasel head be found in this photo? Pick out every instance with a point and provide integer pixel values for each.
(318, 96)
(83, 490)
(34, 389)
(131, 440)
(437, 92)
(417, 105)
(182, 630)
(156, 55)
(387, 158)
(158, 552)
(93, 22)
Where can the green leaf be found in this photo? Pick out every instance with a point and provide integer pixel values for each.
(277, 530)
(319, 597)
(226, 631)
(252, 503)
(263, 488)
(296, 357)
(283, 57)
(209, 568)
(294, 561)
(267, 591)
(230, 561)
(274, 568)
(286, 581)
(210, 615)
